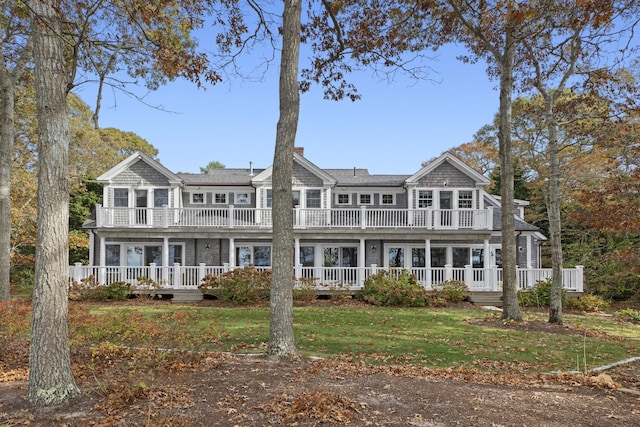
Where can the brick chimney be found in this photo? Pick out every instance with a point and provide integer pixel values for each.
(299, 150)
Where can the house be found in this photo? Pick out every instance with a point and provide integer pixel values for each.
(174, 228)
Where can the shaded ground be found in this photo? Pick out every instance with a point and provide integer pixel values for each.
(224, 390)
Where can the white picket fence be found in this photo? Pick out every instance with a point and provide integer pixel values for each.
(323, 278)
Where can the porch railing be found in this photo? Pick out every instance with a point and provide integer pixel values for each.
(234, 217)
(322, 278)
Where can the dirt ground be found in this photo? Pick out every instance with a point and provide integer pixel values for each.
(230, 390)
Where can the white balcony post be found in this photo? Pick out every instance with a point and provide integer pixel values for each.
(489, 220)
(152, 271)
(99, 219)
(468, 276)
(177, 276)
(225, 267)
(298, 218)
(77, 272)
(231, 219)
(374, 268)
(448, 272)
(165, 216)
(165, 259)
(494, 278)
(363, 217)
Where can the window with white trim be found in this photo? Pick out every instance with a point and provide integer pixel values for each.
(465, 199)
(160, 197)
(242, 199)
(425, 199)
(314, 198)
(197, 198)
(121, 197)
(220, 198)
(387, 199)
(365, 199)
(343, 199)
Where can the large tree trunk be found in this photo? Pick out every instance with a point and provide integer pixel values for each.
(281, 336)
(553, 211)
(50, 379)
(6, 158)
(511, 309)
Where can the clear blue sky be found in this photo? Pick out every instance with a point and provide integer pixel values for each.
(391, 130)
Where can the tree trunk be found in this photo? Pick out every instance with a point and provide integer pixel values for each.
(553, 211)
(511, 309)
(50, 379)
(6, 158)
(281, 336)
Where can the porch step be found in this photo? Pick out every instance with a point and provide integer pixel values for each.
(186, 295)
(487, 298)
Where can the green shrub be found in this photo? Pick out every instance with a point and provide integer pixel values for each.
(628, 314)
(240, 285)
(618, 287)
(452, 291)
(588, 303)
(539, 295)
(391, 289)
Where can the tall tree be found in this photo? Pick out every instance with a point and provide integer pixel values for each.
(494, 31)
(281, 336)
(15, 53)
(51, 381)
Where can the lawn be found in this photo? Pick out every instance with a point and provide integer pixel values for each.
(431, 337)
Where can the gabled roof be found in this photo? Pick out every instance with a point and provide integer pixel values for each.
(302, 161)
(137, 156)
(455, 162)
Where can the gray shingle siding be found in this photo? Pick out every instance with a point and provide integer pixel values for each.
(446, 173)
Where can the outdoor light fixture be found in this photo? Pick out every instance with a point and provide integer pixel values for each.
(207, 247)
(373, 248)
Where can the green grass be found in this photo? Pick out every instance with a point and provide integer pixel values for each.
(417, 336)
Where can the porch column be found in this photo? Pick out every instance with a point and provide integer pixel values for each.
(296, 257)
(92, 242)
(529, 259)
(487, 254)
(427, 262)
(361, 262)
(103, 260)
(232, 252)
(165, 259)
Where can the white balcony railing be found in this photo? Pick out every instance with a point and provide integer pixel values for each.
(323, 278)
(234, 217)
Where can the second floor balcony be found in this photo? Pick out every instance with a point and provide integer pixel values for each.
(231, 217)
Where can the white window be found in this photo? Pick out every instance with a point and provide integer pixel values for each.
(121, 197)
(425, 198)
(160, 197)
(242, 199)
(258, 255)
(343, 199)
(465, 199)
(197, 198)
(220, 198)
(365, 199)
(387, 199)
(314, 198)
